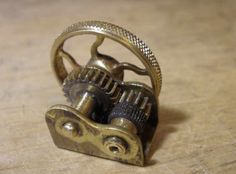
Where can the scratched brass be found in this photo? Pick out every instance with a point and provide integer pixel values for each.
(70, 126)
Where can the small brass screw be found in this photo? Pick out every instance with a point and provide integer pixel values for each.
(115, 145)
(69, 126)
(71, 129)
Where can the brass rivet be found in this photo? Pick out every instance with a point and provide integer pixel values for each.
(69, 126)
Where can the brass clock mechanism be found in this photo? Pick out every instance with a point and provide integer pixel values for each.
(108, 117)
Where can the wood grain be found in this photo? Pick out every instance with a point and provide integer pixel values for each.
(195, 45)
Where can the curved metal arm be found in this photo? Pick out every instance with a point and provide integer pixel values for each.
(69, 58)
(132, 67)
(96, 44)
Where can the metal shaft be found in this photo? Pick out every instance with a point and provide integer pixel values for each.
(85, 104)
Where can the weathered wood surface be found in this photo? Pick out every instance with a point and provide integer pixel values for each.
(195, 42)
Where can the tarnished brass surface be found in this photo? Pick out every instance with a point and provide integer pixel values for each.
(103, 30)
(126, 124)
(108, 117)
(92, 138)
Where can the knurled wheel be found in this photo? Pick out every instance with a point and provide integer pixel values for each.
(133, 106)
(114, 32)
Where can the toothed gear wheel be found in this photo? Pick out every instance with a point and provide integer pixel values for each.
(134, 106)
(95, 77)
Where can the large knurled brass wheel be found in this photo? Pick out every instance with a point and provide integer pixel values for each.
(103, 30)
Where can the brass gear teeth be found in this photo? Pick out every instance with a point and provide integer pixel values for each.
(134, 105)
(137, 98)
(96, 77)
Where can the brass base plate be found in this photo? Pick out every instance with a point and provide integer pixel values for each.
(85, 136)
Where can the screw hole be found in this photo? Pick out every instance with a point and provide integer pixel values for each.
(114, 149)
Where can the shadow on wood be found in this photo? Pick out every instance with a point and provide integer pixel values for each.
(168, 118)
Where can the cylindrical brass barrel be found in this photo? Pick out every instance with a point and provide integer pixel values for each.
(124, 123)
(85, 104)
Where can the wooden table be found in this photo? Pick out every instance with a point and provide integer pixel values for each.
(195, 42)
